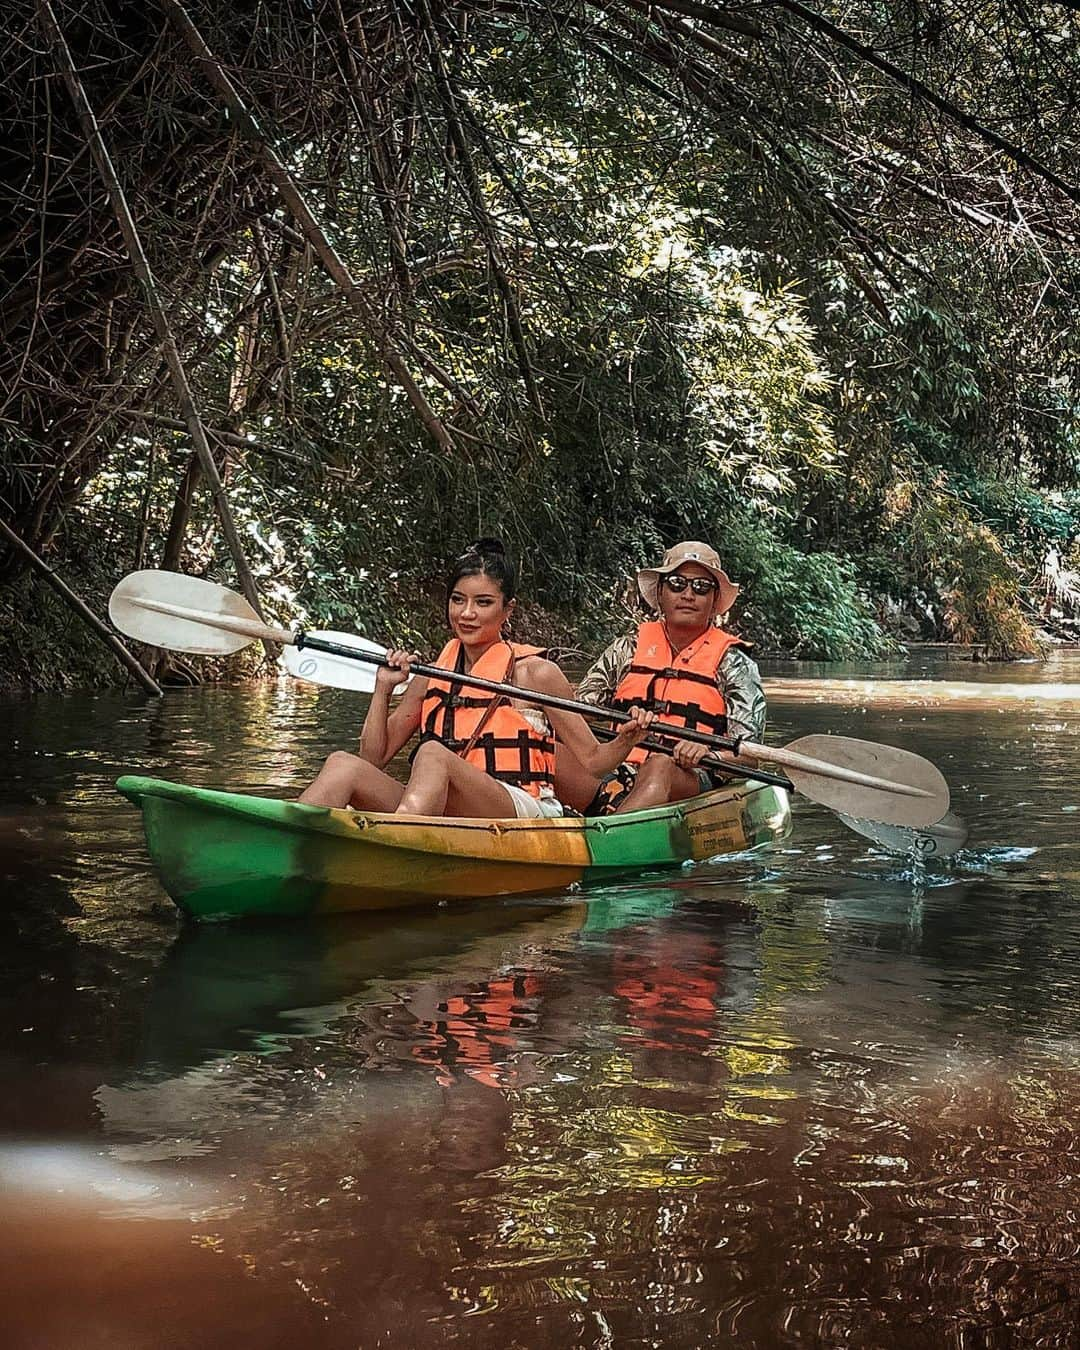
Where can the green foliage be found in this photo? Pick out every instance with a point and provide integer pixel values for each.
(43, 646)
(678, 284)
(1030, 519)
(960, 560)
(804, 604)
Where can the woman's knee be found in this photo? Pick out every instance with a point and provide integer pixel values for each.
(432, 752)
(341, 761)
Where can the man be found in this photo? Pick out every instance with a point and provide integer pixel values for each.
(682, 666)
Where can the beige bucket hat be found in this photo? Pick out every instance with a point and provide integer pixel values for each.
(691, 550)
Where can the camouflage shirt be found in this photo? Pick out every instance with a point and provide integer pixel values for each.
(738, 680)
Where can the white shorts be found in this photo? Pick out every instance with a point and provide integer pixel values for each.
(528, 807)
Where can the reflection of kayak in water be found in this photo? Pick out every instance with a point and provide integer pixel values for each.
(224, 988)
(223, 855)
(470, 993)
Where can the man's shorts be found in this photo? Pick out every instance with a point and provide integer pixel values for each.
(616, 787)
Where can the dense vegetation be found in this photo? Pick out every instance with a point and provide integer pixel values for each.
(590, 276)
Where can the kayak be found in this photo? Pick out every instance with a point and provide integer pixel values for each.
(228, 855)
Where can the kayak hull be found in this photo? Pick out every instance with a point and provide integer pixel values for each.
(224, 855)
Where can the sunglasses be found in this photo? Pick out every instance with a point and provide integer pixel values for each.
(699, 585)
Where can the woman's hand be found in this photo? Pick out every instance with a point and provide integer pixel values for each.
(689, 754)
(396, 670)
(636, 729)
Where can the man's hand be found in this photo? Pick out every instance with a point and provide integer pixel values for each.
(689, 754)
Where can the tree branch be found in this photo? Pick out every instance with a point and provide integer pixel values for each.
(308, 222)
(141, 267)
(923, 91)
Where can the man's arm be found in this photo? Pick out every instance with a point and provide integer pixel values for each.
(740, 683)
(603, 677)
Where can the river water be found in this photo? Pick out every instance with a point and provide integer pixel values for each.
(806, 1096)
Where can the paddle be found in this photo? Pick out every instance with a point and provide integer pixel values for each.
(940, 840)
(311, 663)
(858, 778)
(710, 762)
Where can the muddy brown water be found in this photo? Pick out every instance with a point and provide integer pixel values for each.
(806, 1096)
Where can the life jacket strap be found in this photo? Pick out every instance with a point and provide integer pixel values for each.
(688, 713)
(671, 673)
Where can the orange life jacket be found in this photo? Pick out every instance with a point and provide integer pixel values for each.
(507, 748)
(681, 687)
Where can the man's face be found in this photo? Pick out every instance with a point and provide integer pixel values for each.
(681, 604)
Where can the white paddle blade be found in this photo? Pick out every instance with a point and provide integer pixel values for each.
(339, 672)
(940, 840)
(900, 772)
(179, 634)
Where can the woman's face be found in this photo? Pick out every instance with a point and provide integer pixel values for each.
(684, 608)
(477, 610)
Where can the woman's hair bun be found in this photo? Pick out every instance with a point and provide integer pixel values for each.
(487, 548)
(485, 557)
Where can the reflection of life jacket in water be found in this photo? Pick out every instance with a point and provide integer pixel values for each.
(483, 728)
(680, 687)
(670, 992)
(478, 1031)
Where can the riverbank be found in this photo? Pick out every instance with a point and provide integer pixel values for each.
(46, 647)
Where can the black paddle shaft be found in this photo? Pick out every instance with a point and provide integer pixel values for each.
(571, 705)
(709, 762)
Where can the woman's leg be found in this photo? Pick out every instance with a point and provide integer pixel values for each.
(659, 781)
(443, 784)
(348, 780)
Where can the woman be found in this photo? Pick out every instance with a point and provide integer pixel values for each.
(480, 754)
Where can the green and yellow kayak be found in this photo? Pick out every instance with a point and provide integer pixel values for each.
(225, 855)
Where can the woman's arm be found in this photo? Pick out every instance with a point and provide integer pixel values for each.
(571, 728)
(385, 732)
